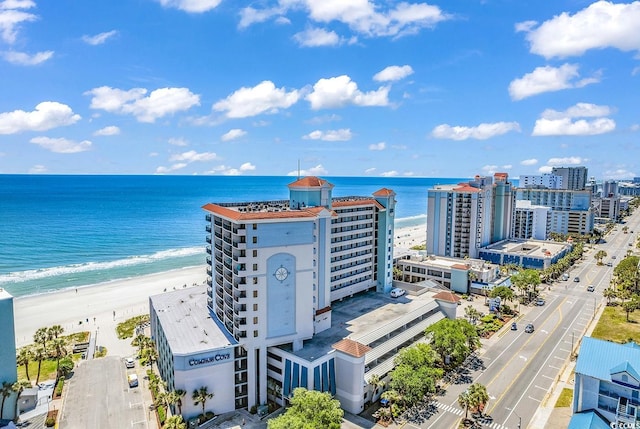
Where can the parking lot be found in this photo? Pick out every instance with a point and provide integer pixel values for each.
(99, 397)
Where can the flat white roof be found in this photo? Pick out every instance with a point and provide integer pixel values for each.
(535, 248)
(186, 321)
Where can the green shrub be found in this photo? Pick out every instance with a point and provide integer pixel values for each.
(50, 422)
(126, 328)
(162, 414)
(59, 386)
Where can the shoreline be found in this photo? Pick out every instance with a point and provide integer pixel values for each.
(99, 307)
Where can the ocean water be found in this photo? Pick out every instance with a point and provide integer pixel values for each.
(61, 232)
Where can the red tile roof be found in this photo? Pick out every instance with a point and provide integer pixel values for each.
(446, 296)
(310, 182)
(356, 202)
(351, 347)
(236, 215)
(460, 267)
(465, 187)
(384, 192)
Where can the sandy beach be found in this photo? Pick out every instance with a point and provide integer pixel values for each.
(95, 305)
(91, 308)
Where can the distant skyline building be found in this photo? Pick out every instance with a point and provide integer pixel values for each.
(571, 211)
(531, 221)
(547, 180)
(8, 368)
(573, 178)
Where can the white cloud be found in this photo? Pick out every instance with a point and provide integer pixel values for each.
(99, 39)
(11, 17)
(568, 160)
(531, 161)
(324, 119)
(567, 127)
(178, 141)
(545, 169)
(378, 146)
(314, 37)
(262, 98)
(233, 134)
(602, 24)
(111, 130)
(490, 169)
(24, 59)
(341, 91)
(61, 145)
(160, 102)
(247, 166)
(556, 123)
(343, 134)
(174, 167)
(191, 6)
(38, 169)
(635, 127)
(193, 156)
(391, 173)
(548, 79)
(525, 26)
(579, 110)
(318, 170)
(226, 170)
(47, 115)
(393, 73)
(618, 174)
(635, 71)
(481, 132)
(250, 15)
(370, 170)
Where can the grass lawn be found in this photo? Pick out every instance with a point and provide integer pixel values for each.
(126, 328)
(565, 399)
(613, 326)
(47, 370)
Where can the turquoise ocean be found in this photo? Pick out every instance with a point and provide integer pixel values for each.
(60, 232)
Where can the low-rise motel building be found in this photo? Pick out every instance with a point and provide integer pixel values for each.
(297, 296)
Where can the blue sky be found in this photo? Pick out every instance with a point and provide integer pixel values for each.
(345, 87)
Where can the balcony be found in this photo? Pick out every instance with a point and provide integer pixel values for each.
(208, 228)
(207, 217)
(208, 239)
(209, 271)
(208, 249)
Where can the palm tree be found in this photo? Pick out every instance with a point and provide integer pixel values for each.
(174, 422)
(59, 351)
(38, 354)
(5, 391)
(55, 331)
(464, 399)
(376, 382)
(40, 337)
(148, 356)
(200, 396)
(141, 342)
(599, 256)
(180, 394)
(609, 294)
(479, 396)
(23, 358)
(18, 387)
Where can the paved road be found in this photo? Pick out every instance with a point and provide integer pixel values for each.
(519, 369)
(99, 397)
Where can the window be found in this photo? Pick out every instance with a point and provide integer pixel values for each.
(255, 333)
(255, 240)
(255, 253)
(255, 267)
(255, 226)
(255, 280)
(255, 293)
(255, 307)
(255, 320)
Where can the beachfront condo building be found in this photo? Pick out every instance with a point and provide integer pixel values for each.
(297, 295)
(531, 221)
(8, 369)
(571, 211)
(465, 217)
(573, 178)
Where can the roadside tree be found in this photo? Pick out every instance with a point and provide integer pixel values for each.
(309, 409)
(201, 396)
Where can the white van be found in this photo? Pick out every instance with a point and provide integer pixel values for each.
(133, 380)
(397, 292)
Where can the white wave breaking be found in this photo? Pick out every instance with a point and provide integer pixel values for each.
(23, 276)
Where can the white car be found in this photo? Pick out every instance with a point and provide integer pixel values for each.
(129, 363)
(397, 292)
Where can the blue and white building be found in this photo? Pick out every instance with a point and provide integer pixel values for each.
(278, 312)
(607, 385)
(8, 368)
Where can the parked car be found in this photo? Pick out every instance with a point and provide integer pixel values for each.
(576, 279)
(529, 328)
(565, 277)
(129, 363)
(540, 301)
(133, 380)
(514, 326)
(591, 288)
(397, 292)
(609, 264)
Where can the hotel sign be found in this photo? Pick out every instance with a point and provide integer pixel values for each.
(216, 358)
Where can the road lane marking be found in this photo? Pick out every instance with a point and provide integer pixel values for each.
(558, 357)
(550, 378)
(537, 400)
(523, 358)
(554, 367)
(565, 350)
(540, 387)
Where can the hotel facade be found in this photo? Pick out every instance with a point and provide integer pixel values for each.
(277, 311)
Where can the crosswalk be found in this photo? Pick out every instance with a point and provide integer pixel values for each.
(488, 423)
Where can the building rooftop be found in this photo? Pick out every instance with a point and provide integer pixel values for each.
(364, 318)
(533, 248)
(186, 322)
(4, 294)
(599, 359)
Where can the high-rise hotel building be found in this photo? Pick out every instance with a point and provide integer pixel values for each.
(463, 218)
(274, 269)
